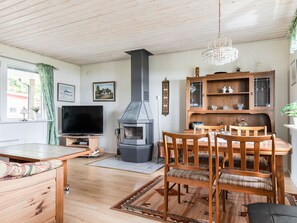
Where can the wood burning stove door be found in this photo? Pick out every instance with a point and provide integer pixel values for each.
(134, 134)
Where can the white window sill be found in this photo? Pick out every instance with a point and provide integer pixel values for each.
(18, 122)
(294, 127)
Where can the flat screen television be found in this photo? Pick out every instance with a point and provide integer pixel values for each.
(82, 119)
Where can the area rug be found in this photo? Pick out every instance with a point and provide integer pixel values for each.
(148, 202)
(118, 163)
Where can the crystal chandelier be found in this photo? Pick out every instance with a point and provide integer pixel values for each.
(220, 51)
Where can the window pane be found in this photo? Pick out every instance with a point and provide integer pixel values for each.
(23, 91)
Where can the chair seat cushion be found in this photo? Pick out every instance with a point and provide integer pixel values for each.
(250, 161)
(203, 158)
(189, 174)
(271, 213)
(246, 181)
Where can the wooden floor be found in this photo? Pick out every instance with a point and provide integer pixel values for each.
(93, 190)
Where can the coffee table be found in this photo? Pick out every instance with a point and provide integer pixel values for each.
(35, 152)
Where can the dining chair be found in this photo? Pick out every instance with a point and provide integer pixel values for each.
(209, 128)
(250, 131)
(202, 129)
(243, 179)
(181, 171)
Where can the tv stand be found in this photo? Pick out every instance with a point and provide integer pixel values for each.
(77, 134)
(84, 141)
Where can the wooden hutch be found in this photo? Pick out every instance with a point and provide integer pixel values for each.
(209, 104)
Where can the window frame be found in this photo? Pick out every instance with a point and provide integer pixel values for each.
(6, 63)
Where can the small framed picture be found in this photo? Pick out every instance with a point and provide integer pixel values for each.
(104, 91)
(293, 72)
(66, 92)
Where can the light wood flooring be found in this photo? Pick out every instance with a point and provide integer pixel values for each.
(93, 190)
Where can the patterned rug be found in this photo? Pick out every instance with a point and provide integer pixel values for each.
(148, 202)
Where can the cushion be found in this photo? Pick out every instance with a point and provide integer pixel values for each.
(272, 213)
(250, 161)
(189, 174)
(204, 157)
(246, 181)
(12, 169)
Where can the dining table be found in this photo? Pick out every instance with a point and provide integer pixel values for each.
(282, 148)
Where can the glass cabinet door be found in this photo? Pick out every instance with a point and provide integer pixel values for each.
(196, 93)
(262, 92)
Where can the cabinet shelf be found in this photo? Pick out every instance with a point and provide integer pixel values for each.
(227, 94)
(80, 146)
(228, 111)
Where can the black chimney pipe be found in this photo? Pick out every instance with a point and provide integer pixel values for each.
(139, 74)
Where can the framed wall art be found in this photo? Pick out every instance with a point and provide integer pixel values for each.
(104, 91)
(293, 72)
(66, 92)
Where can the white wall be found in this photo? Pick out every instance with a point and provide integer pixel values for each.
(66, 73)
(119, 71)
(23, 132)
(271, 54)
(293, 89)
(293, 132)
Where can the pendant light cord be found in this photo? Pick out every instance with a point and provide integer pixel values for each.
(219, 36)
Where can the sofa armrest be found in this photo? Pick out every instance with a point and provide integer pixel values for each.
(11, 170)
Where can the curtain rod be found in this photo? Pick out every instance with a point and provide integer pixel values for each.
(24, 61)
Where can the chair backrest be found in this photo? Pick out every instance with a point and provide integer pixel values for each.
(246, 145)
(183, 145)
(209, 128)
(248, 130)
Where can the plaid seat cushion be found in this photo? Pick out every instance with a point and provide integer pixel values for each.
(246, 181)
(189, 174)
(250, 161)
(12, 170)
(203, 158)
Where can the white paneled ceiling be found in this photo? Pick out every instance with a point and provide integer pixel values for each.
(93, 31)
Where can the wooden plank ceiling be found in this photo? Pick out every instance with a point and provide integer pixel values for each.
(92, 31)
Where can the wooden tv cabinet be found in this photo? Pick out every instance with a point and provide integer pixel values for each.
(89, 141)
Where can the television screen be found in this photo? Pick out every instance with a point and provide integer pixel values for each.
(82, 119)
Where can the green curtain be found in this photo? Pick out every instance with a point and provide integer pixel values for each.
(293, 33)
(46, 73)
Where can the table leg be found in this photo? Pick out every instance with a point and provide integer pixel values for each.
(280, 179)
(66, 186)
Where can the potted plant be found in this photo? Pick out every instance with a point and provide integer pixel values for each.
(36, 110)
(290, 110)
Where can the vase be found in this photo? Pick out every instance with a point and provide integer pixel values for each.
(295, 120)
(37, 116)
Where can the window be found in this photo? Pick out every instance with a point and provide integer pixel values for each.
(23, 93)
